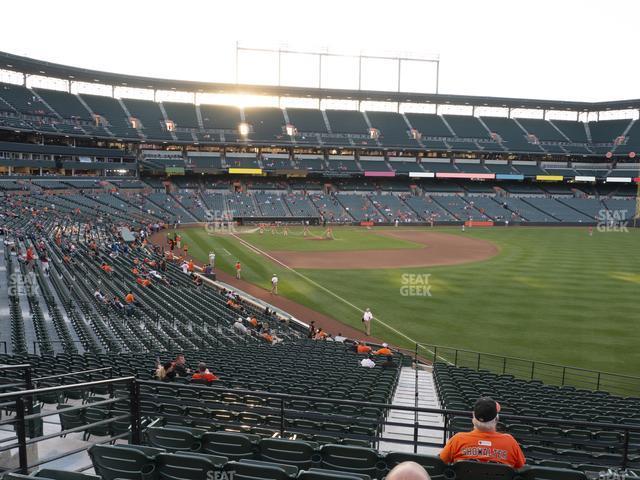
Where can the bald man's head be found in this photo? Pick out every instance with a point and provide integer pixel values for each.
(408, 471)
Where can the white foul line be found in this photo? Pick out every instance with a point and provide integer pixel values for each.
(313, 282)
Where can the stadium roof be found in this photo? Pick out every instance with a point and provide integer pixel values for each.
(32, 66)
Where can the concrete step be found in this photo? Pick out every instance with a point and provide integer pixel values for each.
(405, 395)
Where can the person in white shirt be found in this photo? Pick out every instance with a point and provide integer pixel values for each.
(212, 259)
(240, 327)
(366, 319)
(367, 363)
(339, 338)
(274, 284)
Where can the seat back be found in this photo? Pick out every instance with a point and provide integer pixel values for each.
(172, 439)
(257, 470)
(111, 462)
(291, 452)
(549, 473)
(469, 470)
(177, 466)
(235, 446)
(431, 463)
(351, 459)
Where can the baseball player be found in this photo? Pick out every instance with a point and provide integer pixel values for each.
(366, 320)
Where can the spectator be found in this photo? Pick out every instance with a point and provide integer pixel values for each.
(363, 348)
(166, 372)
(267, 337)
(106, 268)
(339, 338)
(180, 366)
(311, 333)
(320, 335)
(408, 471)
(483, 443)
(203, 374)
(367, 362)
(240, 327)
(129, 298)
(385, 351)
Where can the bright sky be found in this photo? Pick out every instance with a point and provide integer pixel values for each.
(552, 49)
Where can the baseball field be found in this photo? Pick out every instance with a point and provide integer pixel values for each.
(556, 295)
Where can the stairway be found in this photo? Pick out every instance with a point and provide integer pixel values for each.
(405, 396)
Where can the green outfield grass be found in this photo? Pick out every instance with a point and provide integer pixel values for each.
(551, 294)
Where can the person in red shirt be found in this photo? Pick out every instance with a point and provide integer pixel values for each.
(203, 374)
(106, 268)
(484, 443)
(238, 268)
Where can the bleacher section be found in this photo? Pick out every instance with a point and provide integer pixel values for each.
(564, 446)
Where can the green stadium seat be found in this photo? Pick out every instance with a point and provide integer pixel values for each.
(548, 473)
(119, 462)
(322, 474)
(351, 459)
(178, 466)
(301, 454)
(174, 439)
(253, 470)
(69, 420)
(432, 464)
(235, 446)
(467, 470)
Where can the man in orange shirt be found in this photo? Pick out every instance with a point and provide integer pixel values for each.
(203, 374)
(363, 348)
(238, 269)
(384, 351)
(484, 443)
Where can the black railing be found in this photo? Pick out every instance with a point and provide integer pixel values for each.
(549, 373)
(25, 420)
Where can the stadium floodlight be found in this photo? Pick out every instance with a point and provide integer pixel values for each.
(243, 128)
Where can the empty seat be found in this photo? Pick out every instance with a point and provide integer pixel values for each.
(181, 466)
(548, 473)
(111, 462)
(351, 459)
(292, 452)
(235, 446)
(174, 439)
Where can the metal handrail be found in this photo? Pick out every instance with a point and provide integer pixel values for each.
(442, 347)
